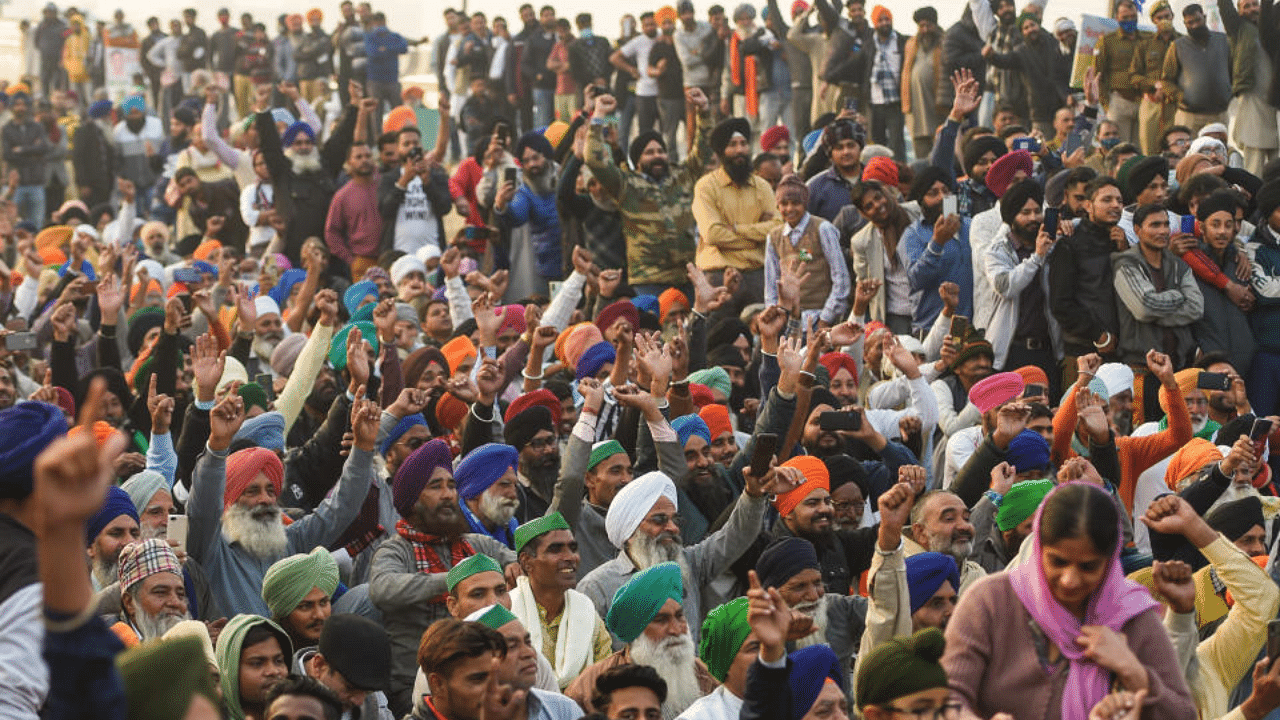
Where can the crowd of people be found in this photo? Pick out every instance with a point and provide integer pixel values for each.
(916, 377)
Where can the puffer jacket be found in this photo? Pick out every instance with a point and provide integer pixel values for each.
(540, 212)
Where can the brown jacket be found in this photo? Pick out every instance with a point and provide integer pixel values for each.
(583, 687)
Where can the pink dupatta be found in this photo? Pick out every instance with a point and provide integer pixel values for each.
(1116, 601)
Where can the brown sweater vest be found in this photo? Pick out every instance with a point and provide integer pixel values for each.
(814, 291)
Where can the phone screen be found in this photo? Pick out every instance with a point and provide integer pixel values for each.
(949, 205)
(1189, 224)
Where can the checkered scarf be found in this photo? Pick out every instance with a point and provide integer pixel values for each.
(424, 551)
(143, 559)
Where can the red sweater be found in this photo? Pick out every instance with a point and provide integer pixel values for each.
(354, 226)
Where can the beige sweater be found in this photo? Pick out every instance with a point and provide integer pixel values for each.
(992, 662)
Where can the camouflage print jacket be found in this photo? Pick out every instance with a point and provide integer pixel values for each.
(657, 216)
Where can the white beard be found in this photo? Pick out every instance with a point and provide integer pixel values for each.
(262, 536)
(495, 510)
(646, 551)
(105, 571)
(1234, 491)
(1198, 424)
(151, 626)
(153, 532)
(673, 658)
(818, 611)
(263, 347)
(303, 163)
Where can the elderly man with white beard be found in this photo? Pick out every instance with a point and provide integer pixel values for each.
(236, 531)
(114, 526)
(648, 614)
(154, 598)
(642, 523)
(264, 331)
(486, 480)
(791, 565)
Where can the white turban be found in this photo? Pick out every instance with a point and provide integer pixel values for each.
(431, 251)
(633, 502)
(231, 372)
(1118, 378)
(155, 271)
(1206, 145)
(404, 265)
(143, 486)
(265, 306)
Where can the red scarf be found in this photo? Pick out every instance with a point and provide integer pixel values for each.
(424, 553)
(743, 74)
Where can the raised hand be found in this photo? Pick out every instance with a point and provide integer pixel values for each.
(915, 478)
(1003, 477)
(450, 261)
(161, 408)
(1162, 367)
(895, 511)
(225, 420)
(364, 421)
(950, 294)
(384, 319)
(326, 301)
(1173, 580)
(1172, 515)
(769, 617)
(63, 322)
(72, 474)
(790, 358)
(845, 333)
(487, 321)
(489, 380)
(357, 358)
(1010, 420)
(207, 364)
(110, 298)
(410, 401)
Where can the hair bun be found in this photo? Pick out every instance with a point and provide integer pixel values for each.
(929, 644)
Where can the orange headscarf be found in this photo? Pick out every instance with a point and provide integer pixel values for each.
(815, 476)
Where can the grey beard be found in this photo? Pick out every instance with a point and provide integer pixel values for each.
(1235, 491)
(495, 510)
(647, 551)
(153, 532)
(818, 611)
(105, 571)
(303, 163)
(673, 658)
(544, 184)
(263, 347)
(151, 626)
(959, 551)
(261, 534)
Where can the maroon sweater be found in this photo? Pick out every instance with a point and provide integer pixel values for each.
(354, 226)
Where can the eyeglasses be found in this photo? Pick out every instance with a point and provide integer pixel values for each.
(947, 711)
(847, 506)
(661, 519)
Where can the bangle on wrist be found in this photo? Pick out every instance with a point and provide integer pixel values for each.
(527, 376)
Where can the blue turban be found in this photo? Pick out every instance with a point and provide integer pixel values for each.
(399, 430)
(357, 293)
(292, 132)
(1028, 450)
(265, 430)
(364, 313)
(483, 467)
(808, 670)
(28, 428)
(131, 103)
(785, 558)
(284, 286)
(281, 115)
(535, 141)
(100, 109)
(686, 426)
(86, 269)
(594, 359)
(117, 503)
(926, 572)
(646, 303)
(205, 267)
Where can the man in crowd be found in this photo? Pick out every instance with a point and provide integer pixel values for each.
(297, 590)
(1112, 59)
(1081, 288)
(1197, 72)
(353, 660)
(153, 595)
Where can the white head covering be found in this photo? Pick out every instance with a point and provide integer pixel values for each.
(404, 265)
(143, 486)
(89, 230)
(1118, 377)
(1206, 145)
(633, 502)
(195, 629)
(430, 251)
(1212, 128)
(155, 271)
(231, 372)
(1063, 25)
(265, 305)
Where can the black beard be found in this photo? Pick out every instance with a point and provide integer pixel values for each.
(1199, 34)
(1026, 235)
(930, 215)
(429, 522)
(738, 168)
(135, 125)
(656, 169)
(1007, 19)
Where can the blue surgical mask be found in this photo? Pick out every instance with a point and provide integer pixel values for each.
(1129, 26)
(1109, 143)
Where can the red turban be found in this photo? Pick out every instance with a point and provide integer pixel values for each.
(834, 361)
(716, 417)
(244, 466)
(701, 395)
(883, 169)
(541, 396)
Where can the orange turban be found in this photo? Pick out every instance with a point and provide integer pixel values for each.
(663, 14)
(1189, 459)
(243, 467)
(816, 477)
(580, 337)
(555, 132)
(177, 289)
(402, 116)
(450, 411)
(717, 419)
(53, 236)
(1187, 379)
(667, 301)
(205, 249)
(315, 15)
(456, 351)
(102, 430)
(19, 87)
(879, 12)
(1033, 375)
(52, 256)
(140, 291)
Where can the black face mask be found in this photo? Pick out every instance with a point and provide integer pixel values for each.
(135, 124)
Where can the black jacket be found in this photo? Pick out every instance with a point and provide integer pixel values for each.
(1039, 64)
(193, 49)
(94, 161)
(962, 48)
(314, 55)
(222, 50)
(1082, 294)
(391, 196)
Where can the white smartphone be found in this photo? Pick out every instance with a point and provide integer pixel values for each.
(949, 205)
(177, 531)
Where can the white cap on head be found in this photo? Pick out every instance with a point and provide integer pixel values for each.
(265, 305)
(89, 230)
(1118, 378)
(404, 265)
(1213, 128)
(633, 502)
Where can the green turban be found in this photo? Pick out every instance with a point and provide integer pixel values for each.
(903, 666)
(538, 527)
(723, 633)
(716, 378)
(290, 580)
(636, 603)
(601, 450)
(471, 566)
(1021, 503)
(161, 679)
(230, 645)
(494, 616)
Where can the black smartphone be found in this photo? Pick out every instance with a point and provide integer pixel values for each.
(264, 380)
(1260, 430)
(67, 278)
(1034, 390)
(415, 153)
(187, 301)
(1273, 640)
(509, 175)
(1029, 144)
(188, 276)
(597, 91)
(475, 232)
(766, 446)
(839, 420)
(1214, 381)
(959, 326)
(20, 341)
(1050, 225)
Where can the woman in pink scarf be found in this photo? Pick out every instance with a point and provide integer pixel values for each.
(1049, 638)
